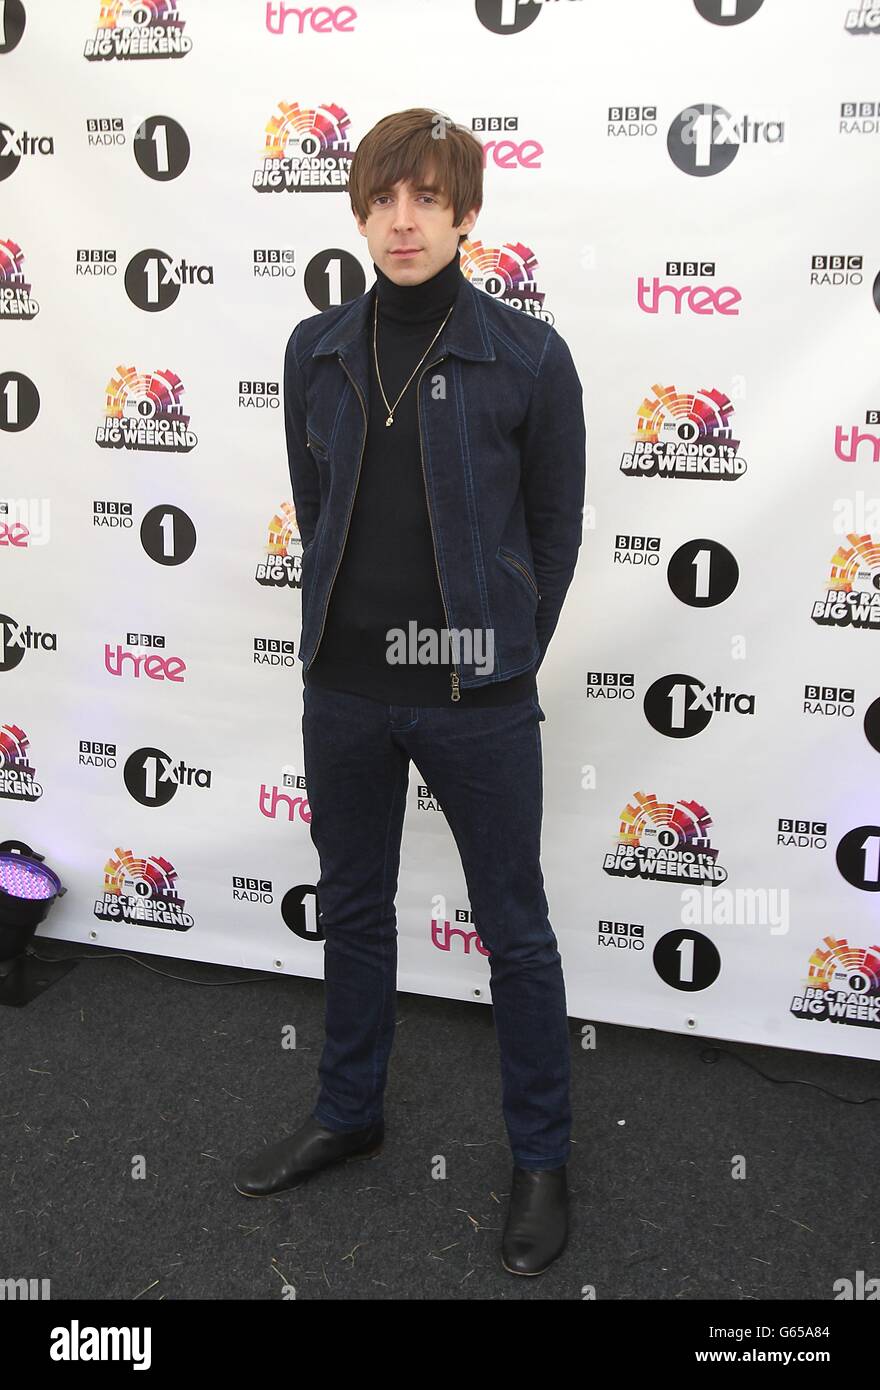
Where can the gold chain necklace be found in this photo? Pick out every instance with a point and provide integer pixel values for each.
(391, 408)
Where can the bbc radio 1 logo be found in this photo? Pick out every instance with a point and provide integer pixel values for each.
(701, 572)
(282, 569)
(16, 291)
(12, 24)
(684, 435)
(160, 144)
(19, 402)
(508, 274)
(145, 410)
(306, 150)
(853, 588)
(144, 29)
(665, 841)
(142, 892)
(18, 776)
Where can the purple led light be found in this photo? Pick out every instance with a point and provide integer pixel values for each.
(24, 879)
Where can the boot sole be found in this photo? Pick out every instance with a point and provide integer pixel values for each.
(298, 1182)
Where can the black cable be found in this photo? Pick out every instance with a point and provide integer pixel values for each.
(707, 1056)
(113, 954)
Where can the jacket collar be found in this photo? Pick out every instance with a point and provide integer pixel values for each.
(466, 333)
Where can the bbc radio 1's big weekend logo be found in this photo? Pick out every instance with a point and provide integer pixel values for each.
(507, 273)
(18, 778)
(148, 29)
(684, 434)
(306, 150)
(142, 892)
(842, 985)
(144, 410)
(284, 548)
(16, 297)
(853, 588)
(666, 840)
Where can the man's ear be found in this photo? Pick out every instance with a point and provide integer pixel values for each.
(468, 222)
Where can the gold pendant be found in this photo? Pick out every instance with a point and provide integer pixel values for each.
(389, 421)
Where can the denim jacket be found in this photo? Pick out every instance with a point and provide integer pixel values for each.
(503, 455)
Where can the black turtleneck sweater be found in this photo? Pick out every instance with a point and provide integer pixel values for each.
(388, 574)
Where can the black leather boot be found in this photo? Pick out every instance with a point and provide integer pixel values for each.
(537, 1221)
(312, 1148)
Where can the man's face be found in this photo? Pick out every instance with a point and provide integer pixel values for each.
(405, 216)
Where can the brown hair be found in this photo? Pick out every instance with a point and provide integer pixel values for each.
(405, 146)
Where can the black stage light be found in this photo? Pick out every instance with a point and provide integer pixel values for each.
(28, 888)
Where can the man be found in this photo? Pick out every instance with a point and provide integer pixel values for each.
(436, 444)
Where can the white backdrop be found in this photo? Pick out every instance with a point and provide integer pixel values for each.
(689, 192)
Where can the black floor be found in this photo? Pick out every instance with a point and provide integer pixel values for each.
(116, 1061)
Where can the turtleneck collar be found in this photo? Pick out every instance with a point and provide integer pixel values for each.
(419, 303)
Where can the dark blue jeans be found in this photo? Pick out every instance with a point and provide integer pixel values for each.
(484, 765)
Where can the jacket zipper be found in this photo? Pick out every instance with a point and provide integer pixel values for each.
(350, 510)
(510, 560)
(454, 675)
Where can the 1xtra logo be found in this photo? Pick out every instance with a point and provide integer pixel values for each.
(14, 148)
(15, 640)
(666, 840)
(153, 279)
(704, 139)
(683, 434)
(681, 706)
(153, 780)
